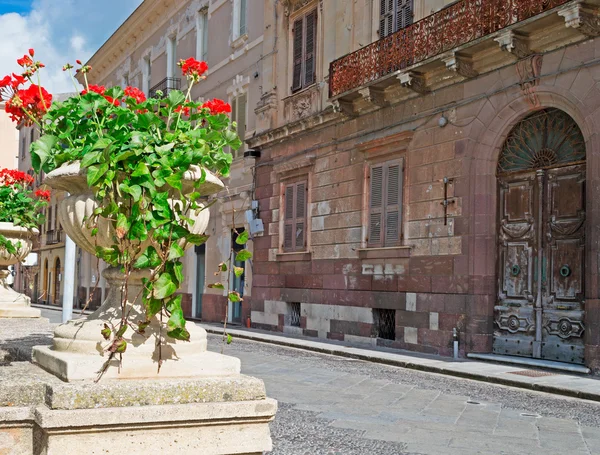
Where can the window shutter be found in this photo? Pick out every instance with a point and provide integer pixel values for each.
(297, 55)
(386, 17)
(300, 231)
(393, 207)
(404, 13)
(288, 235)
(242, 17)
(204, 49)
(376, 206)
(241, 120)
(49, 219)
(309, 51)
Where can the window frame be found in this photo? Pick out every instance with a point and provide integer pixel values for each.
(294, 185)
(303, 56)
(383, 241)
(234, 102)
(202, 35)
(239, 23)
(397, 6)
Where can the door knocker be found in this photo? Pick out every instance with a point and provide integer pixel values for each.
(565, 271)
(515, 270)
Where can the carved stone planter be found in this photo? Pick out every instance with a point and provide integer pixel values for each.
(13, 304)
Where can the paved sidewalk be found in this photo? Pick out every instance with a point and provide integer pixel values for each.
(525, 377)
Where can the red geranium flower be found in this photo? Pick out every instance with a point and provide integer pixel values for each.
(193, 68)
(43, 194)
(25, 61)
(24, 104)
(136, 94)
(217, 106)
(185, 110)
(99, 89)
(10, 177)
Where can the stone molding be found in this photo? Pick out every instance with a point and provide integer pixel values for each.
(289, 168)
(387, 145)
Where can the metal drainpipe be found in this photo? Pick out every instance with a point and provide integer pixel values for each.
(455, 343)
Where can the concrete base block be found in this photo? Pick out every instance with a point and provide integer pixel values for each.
(203, 428)
(211, 415)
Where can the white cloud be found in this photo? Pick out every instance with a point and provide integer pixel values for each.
(60, 31)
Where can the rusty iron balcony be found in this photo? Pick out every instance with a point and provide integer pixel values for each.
(165, 86)
(466, 22)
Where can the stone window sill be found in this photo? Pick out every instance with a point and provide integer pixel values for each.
(383, 253)
(239, 41)
(294, 256)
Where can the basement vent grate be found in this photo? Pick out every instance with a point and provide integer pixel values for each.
(533, 373)
(294, 314)
(384, 323)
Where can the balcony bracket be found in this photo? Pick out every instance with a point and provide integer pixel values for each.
(461, 65)
(374, 95)
(582, 19)
(516, 44)
(414, 81)
(345, 107)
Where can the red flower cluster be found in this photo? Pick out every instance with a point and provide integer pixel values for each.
(100, 89)
(10, 177)
(136, 94)
(185, 110)
(43, 194)
(192, 68)
(25, 105)
(217, 106)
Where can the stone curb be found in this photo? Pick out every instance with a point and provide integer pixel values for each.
(426, 365)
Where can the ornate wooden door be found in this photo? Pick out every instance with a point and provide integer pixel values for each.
(541, 240)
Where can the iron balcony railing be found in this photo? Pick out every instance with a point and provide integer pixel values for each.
(165, 86)
(53, 236)
(453, 26)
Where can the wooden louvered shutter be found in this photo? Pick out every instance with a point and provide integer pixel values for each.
(300, 216)
(404, 13)
(309, 50)
(375, 238)
(288, 234)
(298, 32)
(393, 207)
(386, 17)
(243, 14)
(241, 102)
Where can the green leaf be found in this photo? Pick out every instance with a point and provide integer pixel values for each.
(175, 180)
(229, 339)
(153, 307)
(179, 334)
(216, 286)
(196, 239)
(222, 267)
(140, 170)
(239, 271)
(178, 270)
(106, 332)
(243, 255)
(234, 296)
(138, 231)
(90, 158)
(176, 97)
(123, 226)
(175, 252)
(121, 346)
(164, 287)
(95, 173)
(242, 238)
(41, 151)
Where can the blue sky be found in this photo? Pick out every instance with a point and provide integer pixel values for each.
(60, 31)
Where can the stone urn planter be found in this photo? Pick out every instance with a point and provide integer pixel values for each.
(12, 303)
(77, 352)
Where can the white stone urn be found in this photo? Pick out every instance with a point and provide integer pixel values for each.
(12, 303)
(78, 346)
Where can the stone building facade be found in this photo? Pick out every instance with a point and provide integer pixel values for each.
(144, 52)
(429, 172)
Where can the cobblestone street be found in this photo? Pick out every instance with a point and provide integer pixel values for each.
(331, 405)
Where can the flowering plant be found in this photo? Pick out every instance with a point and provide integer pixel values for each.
(135, 152)
(19, 203)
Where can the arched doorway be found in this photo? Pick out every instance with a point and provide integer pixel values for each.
(57, 279)
(539, 311)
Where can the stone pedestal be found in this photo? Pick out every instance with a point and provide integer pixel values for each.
(41, 415)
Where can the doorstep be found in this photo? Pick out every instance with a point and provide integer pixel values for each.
(538, 363)
(522, 376)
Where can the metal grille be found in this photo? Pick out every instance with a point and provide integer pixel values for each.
(294, 314)
(165, 86)
(457, 24)
(384, 323)
(547, 138)
(533, 373)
